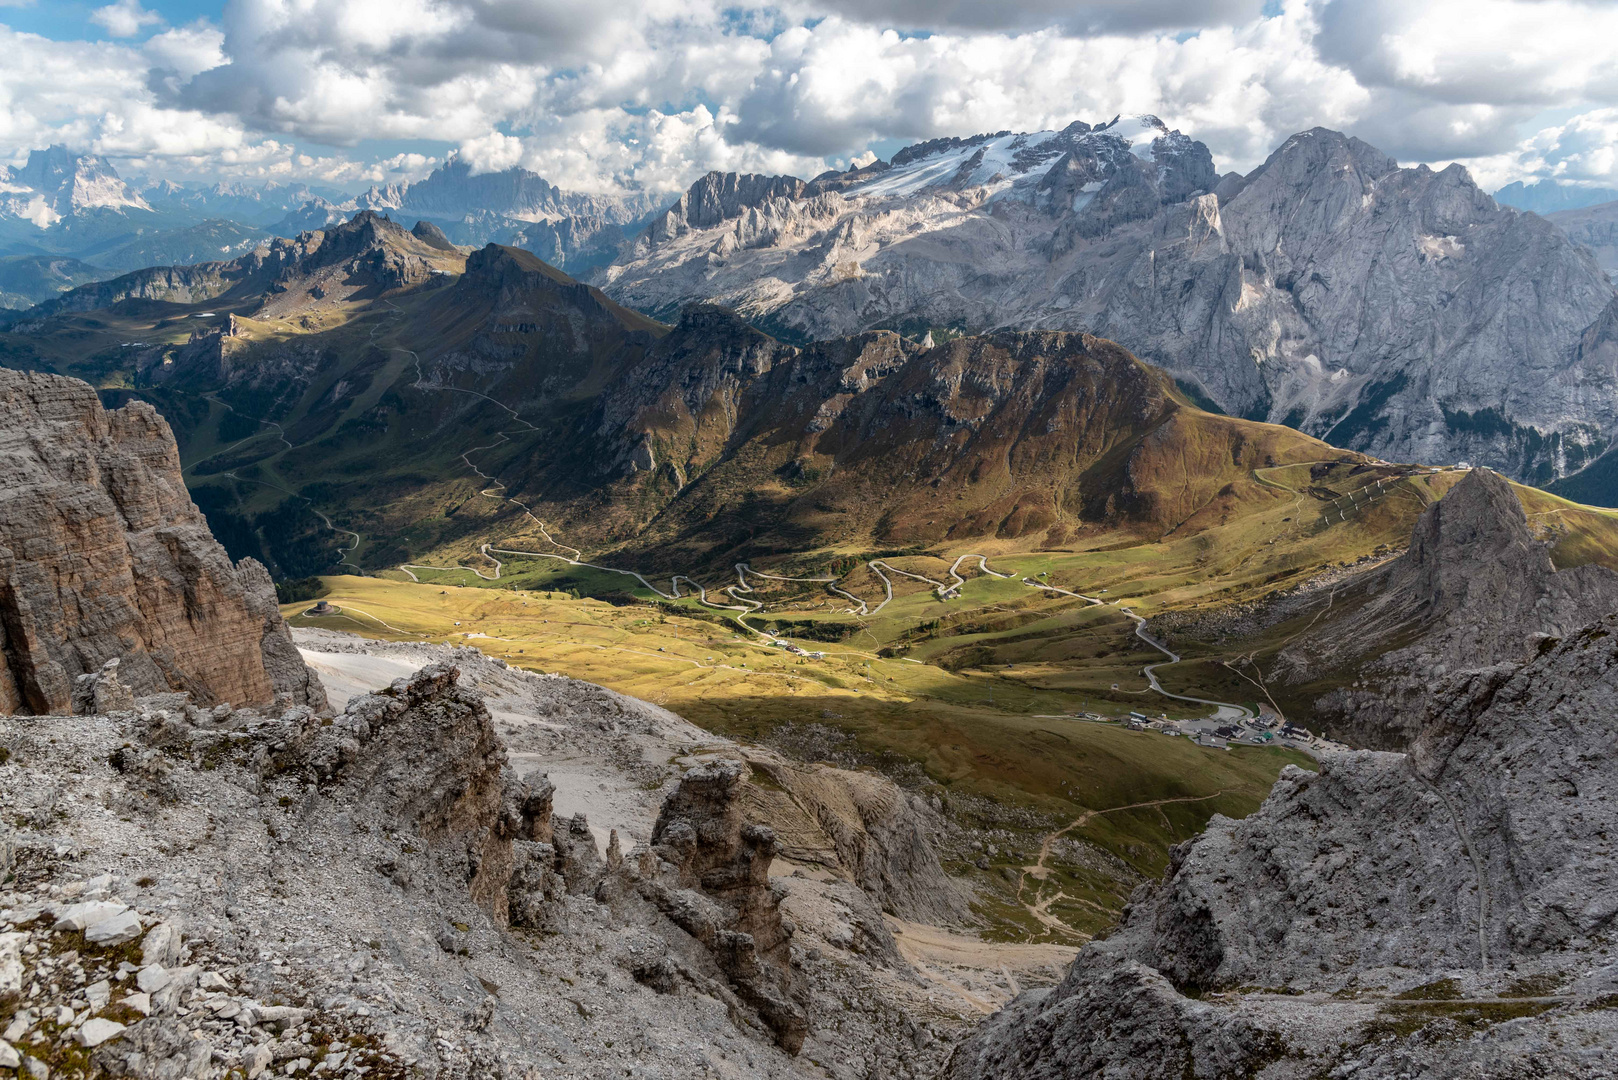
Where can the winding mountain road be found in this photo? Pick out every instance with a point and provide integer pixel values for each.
(746, 605)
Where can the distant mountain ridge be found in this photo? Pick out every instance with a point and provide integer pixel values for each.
(515, 207)
(573, 231)
(1547, 197)
(64, 205)
(54, 183)
(1400, 312)
(274, 275)
(1596, 228)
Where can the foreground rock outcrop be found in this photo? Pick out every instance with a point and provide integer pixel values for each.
(384, 893)
(886, 838)
(1443, 913)
(103, 557)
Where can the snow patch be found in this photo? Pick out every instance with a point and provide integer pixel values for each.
(996, 167)
(1138, 131)
(1440, 247)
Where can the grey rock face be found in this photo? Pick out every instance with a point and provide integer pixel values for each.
(1474, 591)
(1398, 311)
(102, 691)
(1443, 913)
(886, 836)
(1594, 227)
(359, 875)
(703, 836)
(104, 558)
(289, 675)
(720, 197)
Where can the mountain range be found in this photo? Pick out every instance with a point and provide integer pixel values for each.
(1397, 311)
(354, 369)
(1548, 197)
(66, 219)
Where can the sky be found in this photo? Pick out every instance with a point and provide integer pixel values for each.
(650, 94)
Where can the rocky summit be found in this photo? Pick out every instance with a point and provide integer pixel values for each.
(1475, 595)
(55, 183)
(110, 583)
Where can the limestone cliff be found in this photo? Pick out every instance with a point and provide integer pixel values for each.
(103, 556)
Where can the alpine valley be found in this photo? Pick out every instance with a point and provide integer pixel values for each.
(1032, 607)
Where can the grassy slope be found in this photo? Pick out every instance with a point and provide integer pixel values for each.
(980, 755)
(972, 690)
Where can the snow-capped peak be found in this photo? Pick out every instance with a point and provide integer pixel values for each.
(1013, 160)
(1140, 132)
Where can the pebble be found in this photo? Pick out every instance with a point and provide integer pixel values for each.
(98, 994)
(213, 981)
(162, 945)
(85, 915)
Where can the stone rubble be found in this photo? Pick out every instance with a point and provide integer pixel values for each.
(230, 893)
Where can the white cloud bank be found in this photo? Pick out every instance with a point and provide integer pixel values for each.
(651, 93)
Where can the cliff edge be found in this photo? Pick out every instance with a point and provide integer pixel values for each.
(103, 557)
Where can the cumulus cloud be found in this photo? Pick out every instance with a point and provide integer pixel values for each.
(1084, 17)
(184, 52)
(1466, 52)
(1581, 151)
(651, 93)
(494, 152)
(126, 18)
